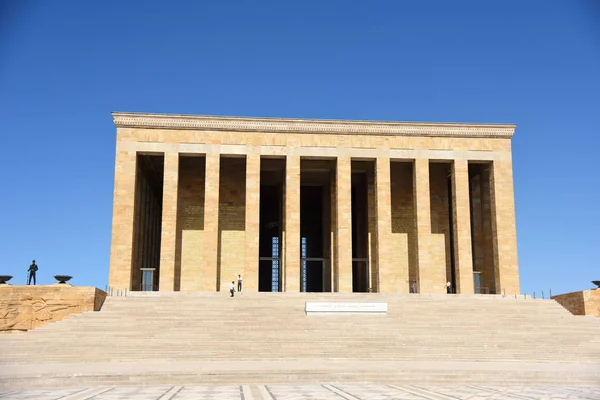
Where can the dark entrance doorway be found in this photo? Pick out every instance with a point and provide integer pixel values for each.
(145, 271)
(360, 254)
(315, 225)
(311, 242)
(271, 213)
(485, 274)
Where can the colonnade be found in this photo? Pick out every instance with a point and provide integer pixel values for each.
(431, 248)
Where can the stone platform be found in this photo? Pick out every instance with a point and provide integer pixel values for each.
(335, 391)
(26, 307)
(584, 302)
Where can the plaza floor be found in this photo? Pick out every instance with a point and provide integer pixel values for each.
(308, 392)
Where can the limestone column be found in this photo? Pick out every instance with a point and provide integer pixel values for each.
(333, 264)
(168, 236)
(123, 220)
(292, 224)
(208, 279)
(344, 224)
(461, 217)
(431, 257)
(372, 235)
(385, 280)
(137, 235)
(252, 221)
(504, 231)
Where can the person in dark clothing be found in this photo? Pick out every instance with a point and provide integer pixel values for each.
(32, 270)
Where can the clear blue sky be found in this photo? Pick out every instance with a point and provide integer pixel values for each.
(65, 65)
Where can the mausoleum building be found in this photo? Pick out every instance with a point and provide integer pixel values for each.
(301, 205)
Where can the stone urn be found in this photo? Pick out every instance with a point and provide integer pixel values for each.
(4, 279)
(62, 278)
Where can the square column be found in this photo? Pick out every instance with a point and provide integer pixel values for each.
(168, 240)
(461, 217)
(343, 208)
(431, 255)
(422, 208)
(386, 280)
(121, 246)
(372, 230)
(504, 230)
(250, 275)
(292, 224)
(332, 232)
(211, 224)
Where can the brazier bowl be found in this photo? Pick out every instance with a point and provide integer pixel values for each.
(62, 278)
(4, 279)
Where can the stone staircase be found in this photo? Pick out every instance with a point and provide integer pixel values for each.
(192, 338)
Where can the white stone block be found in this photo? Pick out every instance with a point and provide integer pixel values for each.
(335, 307)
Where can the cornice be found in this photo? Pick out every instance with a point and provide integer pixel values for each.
(311, 126)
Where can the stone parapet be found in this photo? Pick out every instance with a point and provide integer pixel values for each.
(28, 307)
(584, 302)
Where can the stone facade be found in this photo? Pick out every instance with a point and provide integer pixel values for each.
(28, 307)
(438, 205)
(584, 302)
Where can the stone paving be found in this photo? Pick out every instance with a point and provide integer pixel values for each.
(336, 391)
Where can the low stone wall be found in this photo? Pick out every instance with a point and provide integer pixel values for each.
(585, 302)
(28, 307)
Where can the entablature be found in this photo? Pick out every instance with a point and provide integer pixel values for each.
(311, 126)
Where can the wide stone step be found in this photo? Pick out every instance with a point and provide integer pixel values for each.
(303, 370)
(218, 338)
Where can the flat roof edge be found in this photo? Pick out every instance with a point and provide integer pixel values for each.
(324, 126)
